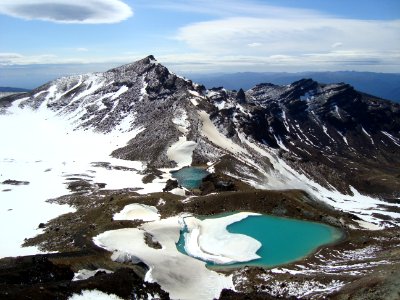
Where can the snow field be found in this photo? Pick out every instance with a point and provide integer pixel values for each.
(77, 154)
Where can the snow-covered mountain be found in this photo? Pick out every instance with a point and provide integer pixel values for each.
(339, 145)
(334, 134)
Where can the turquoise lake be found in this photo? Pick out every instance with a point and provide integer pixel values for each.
(283, 240)
(189, 177)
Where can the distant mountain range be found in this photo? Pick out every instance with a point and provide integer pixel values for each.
(383, 85)
(6, 89)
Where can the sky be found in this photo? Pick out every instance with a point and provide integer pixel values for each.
(42, 39)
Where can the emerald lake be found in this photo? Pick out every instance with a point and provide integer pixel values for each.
(189, 177)
(283, 240)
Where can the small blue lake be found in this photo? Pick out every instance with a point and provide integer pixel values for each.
(283, 240)
(189, 177)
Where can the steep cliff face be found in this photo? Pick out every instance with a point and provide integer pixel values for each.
(334, 134)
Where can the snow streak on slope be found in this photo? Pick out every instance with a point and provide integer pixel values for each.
(211, 132)
(286, 177)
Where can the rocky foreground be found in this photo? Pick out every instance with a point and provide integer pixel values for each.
(364, 265)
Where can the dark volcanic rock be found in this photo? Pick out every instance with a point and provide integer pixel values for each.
(33, 270)
(37, 278)
(241, 96)
(232, 295)
(15, 182)
(216, 183)
(124, 283)
(170, 185)
(79, 186)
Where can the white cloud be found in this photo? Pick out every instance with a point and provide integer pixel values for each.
(227, 8)
(201, 62)
(296, 35)
(329, 61)
(7, 59)
(253, 45)
(298, 41)
(337, 45)
(68, 11)
(249, 36)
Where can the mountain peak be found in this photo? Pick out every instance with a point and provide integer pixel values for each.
(147, 60)
(151, 58)
(144, 63)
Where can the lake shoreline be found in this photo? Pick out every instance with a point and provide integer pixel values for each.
(340, 237)
(99, 208)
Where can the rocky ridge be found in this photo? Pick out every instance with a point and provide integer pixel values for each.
(337, 147)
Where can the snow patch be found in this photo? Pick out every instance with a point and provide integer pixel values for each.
(143, 90)
(180, 120)
(394, 140)
(194, 101)
(122, 90)
(211, 132)
(368, 226)
(181, 152)
(303, 289)
(137, 211)
(86, 274)
(94, 81)
(367, 134)
(94, 295)
(326, 133)
(307, 96)
(281, 144)
(285, 122)
(178, 191)
(209, 240)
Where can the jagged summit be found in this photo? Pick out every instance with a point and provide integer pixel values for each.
(139, 66)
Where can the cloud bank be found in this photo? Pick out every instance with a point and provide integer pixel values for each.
(237, 36)
(68, 11)
(289, 36)
(315, 41)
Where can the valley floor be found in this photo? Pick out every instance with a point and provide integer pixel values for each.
(364, 265)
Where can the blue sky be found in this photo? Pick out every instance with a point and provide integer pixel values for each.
(40, 41)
